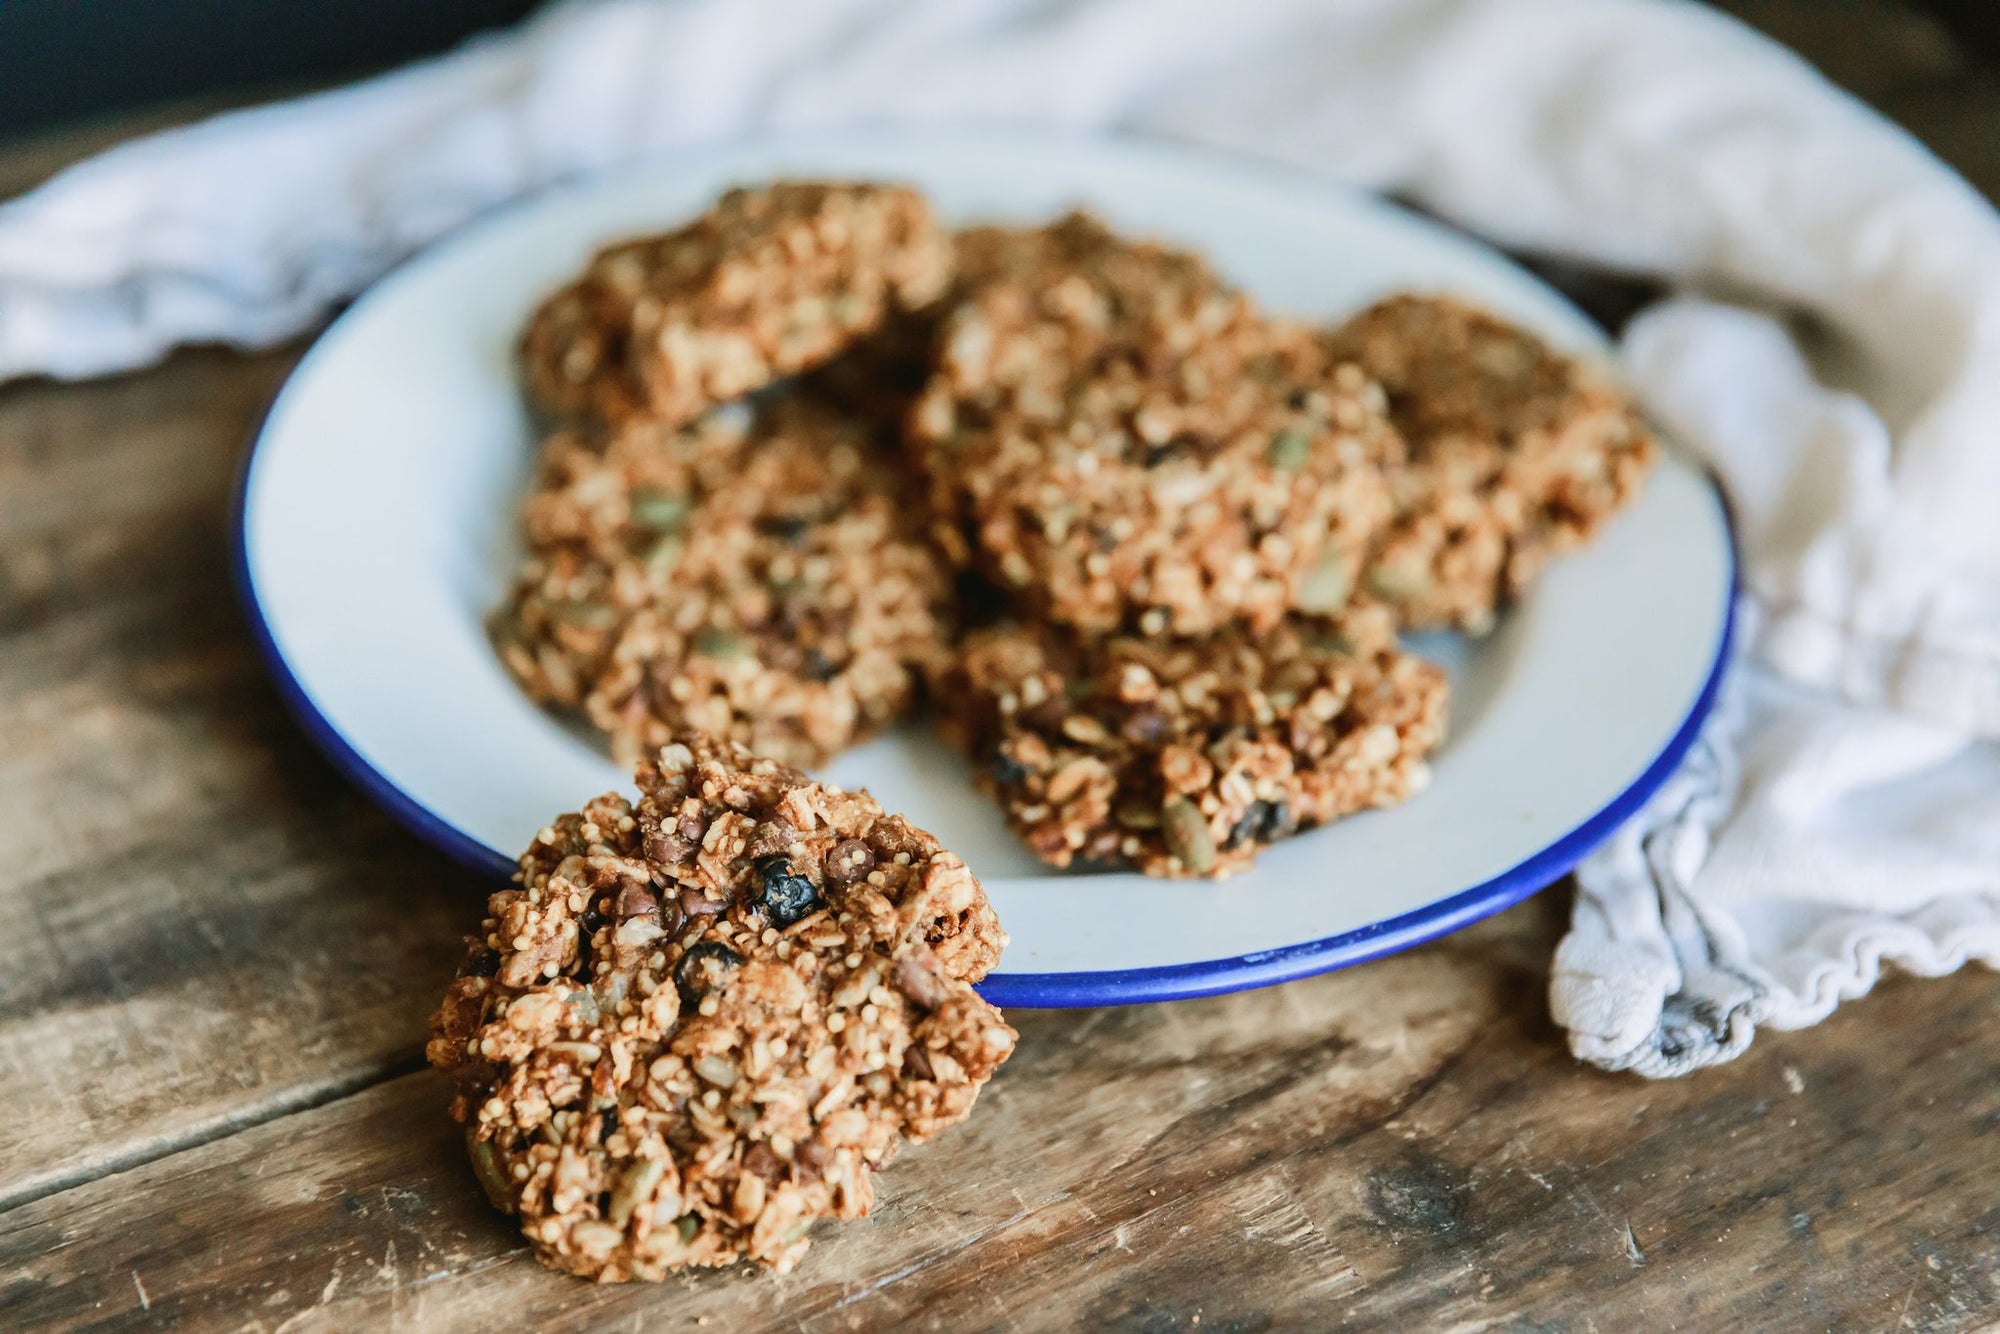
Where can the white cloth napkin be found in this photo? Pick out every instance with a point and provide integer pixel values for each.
(1844, 808)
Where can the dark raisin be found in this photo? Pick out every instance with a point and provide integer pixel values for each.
(483, 964)
(593, 917)
(850, 860)
(818, 668)
(707, 966)
(1007, 770)
(1262, 823)
(609, 1124)
(784, 527)
(782, 896)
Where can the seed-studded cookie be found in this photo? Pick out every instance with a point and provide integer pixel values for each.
(754, 575)
(1124, 443)
(1516, 453)
(766, 284)
(1186, 757)
(701, 1023)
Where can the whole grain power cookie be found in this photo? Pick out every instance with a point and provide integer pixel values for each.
(766, 284)
(1516, 453)
(1186, 757)
(879, 377)
(699, 1024)
(1124, 443)
(754, 575)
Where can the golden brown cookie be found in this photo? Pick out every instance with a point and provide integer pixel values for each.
(1516, 453)
(757, 575)
(1123, 443)
(767, 283)
(1187, 757)
(701, 1023)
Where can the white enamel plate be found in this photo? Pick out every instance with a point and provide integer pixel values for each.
(377, 528)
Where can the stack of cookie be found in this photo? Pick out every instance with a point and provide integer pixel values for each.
(713, 544)
(700, 1022)
(1148, 544)
(1149, 548)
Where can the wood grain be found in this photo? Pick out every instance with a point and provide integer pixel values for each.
(200, 924)
(1394, 1147)
(216, 959)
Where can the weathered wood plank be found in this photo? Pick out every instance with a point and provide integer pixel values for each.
(1394, 1147)
(200, 924)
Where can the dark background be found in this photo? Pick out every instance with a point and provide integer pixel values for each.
(67, 60)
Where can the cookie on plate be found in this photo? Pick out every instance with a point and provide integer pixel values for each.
(756, 575)
(1124, 443)
(700, 1023)
(1516, 453)
(767, 283)
(1187, 757)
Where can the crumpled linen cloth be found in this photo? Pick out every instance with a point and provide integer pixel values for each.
(1832, 351)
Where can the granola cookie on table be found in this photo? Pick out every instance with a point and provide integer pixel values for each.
(1517, 453)
(1125, 444)
(754, 575)
(1187, 757)
(700, 1023)
(767, 283)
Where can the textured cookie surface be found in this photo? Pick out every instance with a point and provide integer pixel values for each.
(702, 1022)
(1125, 444)
(755, 575)
(1186, 757)
(1516, 453)
(767, 283)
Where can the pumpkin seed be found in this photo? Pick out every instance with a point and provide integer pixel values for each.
(713, 643)
(492, 1178)
(636, 1185)
(1290, 448)
(666, 553)
(1327, 585)
(1399, 581)
(585, 615)
(1187, 834)
(660, 511)
(1137, 815)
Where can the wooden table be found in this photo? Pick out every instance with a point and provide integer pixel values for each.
(216, 961)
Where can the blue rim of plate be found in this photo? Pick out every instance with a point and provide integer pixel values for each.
(1130, 986)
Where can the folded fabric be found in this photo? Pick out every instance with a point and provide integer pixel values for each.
(1840, 811)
